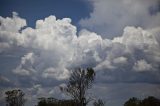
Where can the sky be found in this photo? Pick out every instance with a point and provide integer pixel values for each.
(33, 10)
(42, 41)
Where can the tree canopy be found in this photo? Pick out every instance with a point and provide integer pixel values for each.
(149, 101)
(15, 97)
(79, 82)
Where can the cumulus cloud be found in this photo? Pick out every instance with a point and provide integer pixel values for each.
(110, 17)
(26, 66)
(120, 60)
(59, 73)
(53, 48)
(9, 31)
(13, 24)
(142, 65)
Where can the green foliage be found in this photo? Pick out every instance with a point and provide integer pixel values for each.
(15, 98)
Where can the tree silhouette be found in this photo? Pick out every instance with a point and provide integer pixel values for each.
(99, 102)
(150, 101)
(42, 101)
(132, 102)
(79, 82)
(15, 98)
(55, 102)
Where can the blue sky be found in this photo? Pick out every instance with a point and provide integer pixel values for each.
(41, 41)
(32, 10)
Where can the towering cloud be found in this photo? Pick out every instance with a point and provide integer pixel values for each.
(45, 54)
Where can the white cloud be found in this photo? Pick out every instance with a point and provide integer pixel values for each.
(59, 73)
(142, 65)
(53, 48)
(13, 24)
(9, 31)
(25, 68)
(110, 17)
(120, 60)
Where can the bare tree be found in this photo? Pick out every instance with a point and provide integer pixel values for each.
(79, 82)
(99, 102)
(15, 98)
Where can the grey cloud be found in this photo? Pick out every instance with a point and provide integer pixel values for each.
(142, 65)
(110, 17)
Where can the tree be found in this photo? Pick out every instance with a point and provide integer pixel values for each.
(15, 98)
(150, 101)
(99, 102)
(55, 102)
(132, 102)
(79, 82)
(42, 101)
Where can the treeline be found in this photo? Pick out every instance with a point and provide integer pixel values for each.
(16, 98)
(149, 101)
(79, 82)
(56, 102)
